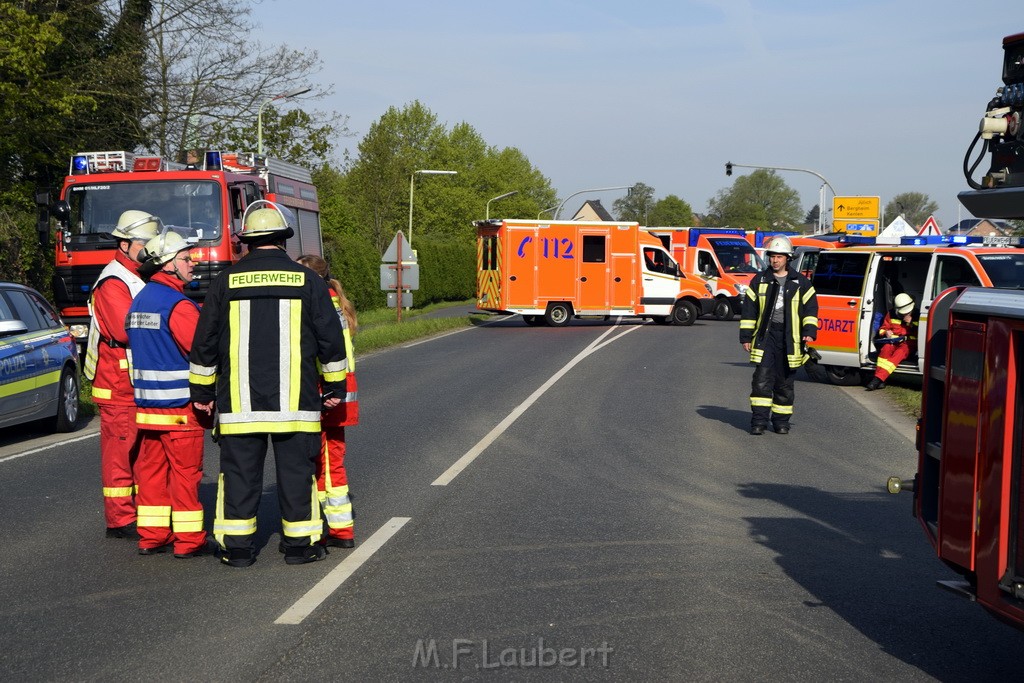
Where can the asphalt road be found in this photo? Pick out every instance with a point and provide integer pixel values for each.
(582, 502)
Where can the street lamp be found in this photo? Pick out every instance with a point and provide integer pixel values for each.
(821, 193)
(544, 211)
(412, 178)
(259, 114)
(494, 199)
(596, 189)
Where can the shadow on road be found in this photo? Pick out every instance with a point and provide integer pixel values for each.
(855, 553)
(739, 419)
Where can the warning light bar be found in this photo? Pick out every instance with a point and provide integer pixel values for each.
(762, 236)
(99, 162)
(148, 164)
(695, 234)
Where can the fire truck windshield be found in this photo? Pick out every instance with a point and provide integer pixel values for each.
(1005, 270)
(736, 255)
(195, 205)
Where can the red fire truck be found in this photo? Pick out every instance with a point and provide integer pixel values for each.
(969, 486)
(204, 201)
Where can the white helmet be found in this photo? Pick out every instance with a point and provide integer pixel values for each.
(164, 247)
(779, 244)
(136, 225)
(264, 218)
(904, 303)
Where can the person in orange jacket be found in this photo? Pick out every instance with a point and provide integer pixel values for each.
(106, 365)
(161, 326)
(332, 478)
(897, 339)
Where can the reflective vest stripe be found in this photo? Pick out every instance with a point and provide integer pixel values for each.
(154, 516)
(782, 410)
(160, 375)
(269, 427)
(185, 521)
(162, 394)
(160, 419)
(117, 491)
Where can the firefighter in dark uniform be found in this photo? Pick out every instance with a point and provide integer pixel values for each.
(780, 314)
(268, 339)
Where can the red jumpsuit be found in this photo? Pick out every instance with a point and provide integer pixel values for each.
(112, 389)
(169, 466)
(891, 355)
(332, 479)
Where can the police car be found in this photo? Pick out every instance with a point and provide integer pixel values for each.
(38, 362)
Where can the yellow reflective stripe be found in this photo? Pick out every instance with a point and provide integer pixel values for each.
(234, 527)
(122, 363)
(294, 357)
(335, 376)
(266, 278)
(746, 324)
(808, 295)
(887, 364)
(118, 491)
(30, 383)
(350, 353)
(160, 419)
(219, 510)
(760, 401)
(750, 294)
(268, 427)
(202, 380)
(154, 516)
(187, 520)
(234, 345)
(809, 320)
(98, 392)
(782, 410)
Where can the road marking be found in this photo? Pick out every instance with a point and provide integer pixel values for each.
(448, 334)
(305, 605)
(46, 448)
(472, 454)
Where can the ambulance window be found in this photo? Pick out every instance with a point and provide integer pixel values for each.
(593, 249)
(840, 273)
(953, 270)
(1004, 270)
(490, 246)
(706, 264)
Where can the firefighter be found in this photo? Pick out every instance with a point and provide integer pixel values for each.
(780, 315)
(106, 365)
(897, 339)
(332, 478)
(161, 323)
(268, 341)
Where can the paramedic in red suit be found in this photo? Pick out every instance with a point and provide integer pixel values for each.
(161, 325)
(106, 365)
(332, 478)
(902, 330)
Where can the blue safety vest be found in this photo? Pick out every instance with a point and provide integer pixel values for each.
(159, 370)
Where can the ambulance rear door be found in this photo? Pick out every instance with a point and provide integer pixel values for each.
(839, 279)
(520, 267)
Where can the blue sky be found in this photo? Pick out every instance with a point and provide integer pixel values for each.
(878, 97)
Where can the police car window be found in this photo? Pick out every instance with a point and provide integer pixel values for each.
(24, 310)
(840, 273)
(5, 310)
(45, 311)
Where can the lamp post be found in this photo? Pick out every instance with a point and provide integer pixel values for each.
(544, 211)
(487, 216)
(596, 189)
(412, 179)
(259, 114)
(821, 192)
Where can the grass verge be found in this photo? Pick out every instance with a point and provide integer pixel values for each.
(905, 394)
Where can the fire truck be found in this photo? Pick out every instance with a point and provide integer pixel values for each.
(969, 486)
(203, 201)
(552, 271)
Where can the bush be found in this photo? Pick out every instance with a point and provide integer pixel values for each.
(24, 259)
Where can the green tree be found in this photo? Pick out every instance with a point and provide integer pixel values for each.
(671, 211)
(915, 207)
(636, 205)
(758, 200)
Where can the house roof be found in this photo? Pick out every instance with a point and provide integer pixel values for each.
(593, 206)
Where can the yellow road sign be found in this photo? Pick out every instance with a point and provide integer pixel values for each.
(855, 207)
(862, 226)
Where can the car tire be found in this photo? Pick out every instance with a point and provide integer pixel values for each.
(68, 406)
(722, 309)
(558, 314)
(683, 313)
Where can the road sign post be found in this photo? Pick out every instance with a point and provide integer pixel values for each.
(856, 215)
(399, 274)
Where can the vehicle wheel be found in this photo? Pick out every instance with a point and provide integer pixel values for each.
(683, 313)
(722, 309)
(843, 376)
(558, 314)
(532, 320)
(66, 418)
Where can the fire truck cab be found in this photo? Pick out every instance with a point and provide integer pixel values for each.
(204, 202)
(856, 286)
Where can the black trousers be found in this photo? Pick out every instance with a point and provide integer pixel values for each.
(771, 390)
(241, 467)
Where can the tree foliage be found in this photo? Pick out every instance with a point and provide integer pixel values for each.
(636, 205)
(671, 211)
(915, 207)
(758, 200)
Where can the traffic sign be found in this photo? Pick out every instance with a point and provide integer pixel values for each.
(389, 276)
(406, 299)
(855, 207)
(399, 244)
(930, 227)
(866, 228)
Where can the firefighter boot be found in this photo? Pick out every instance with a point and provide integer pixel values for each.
(305, 555)
(757, 430)
(875, 383)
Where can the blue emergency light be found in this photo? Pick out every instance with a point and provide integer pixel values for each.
(79, 165)
(856, 239)
(695, 234)
(211, 162)
(762, 236)
(962, 239)
(921, 240)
